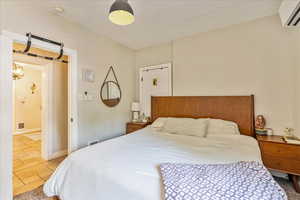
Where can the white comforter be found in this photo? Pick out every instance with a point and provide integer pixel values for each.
(127, 167)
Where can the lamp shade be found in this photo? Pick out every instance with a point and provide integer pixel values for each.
(121, 13)
(135, 106)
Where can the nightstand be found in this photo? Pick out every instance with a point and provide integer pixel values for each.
(281, 156)
(134, 126)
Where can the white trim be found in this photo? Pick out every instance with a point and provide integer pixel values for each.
(6, 89)
(6, 122)
(72, 102)
(24, 131)
(58, 154)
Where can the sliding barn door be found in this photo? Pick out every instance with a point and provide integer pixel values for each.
(154, 81)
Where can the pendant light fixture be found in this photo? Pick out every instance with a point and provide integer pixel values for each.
(121, 13)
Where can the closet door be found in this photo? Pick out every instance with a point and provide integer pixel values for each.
(154, 81)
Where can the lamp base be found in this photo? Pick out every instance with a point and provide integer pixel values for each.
(135, 116)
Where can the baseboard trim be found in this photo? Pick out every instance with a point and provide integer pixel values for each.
(58, 154)
(27, 131)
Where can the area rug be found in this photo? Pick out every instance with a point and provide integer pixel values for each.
(38, 194)
(288, 187)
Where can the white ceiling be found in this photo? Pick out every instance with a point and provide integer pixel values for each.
(161, 21)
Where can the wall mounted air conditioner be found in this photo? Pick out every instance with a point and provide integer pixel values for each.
(289, 12)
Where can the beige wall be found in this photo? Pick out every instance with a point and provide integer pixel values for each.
(296, 77)
(255, 57)
(27, 106)
(154, 55)
(252, 58)
(96, 121)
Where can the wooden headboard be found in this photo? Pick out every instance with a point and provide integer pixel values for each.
(239, 109)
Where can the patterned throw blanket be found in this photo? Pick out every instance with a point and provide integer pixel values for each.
(237, 181)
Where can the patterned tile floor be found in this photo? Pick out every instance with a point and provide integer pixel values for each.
(29, 170)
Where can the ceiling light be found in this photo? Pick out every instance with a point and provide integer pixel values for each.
(18, 72)
(121, 13)
(59, 10)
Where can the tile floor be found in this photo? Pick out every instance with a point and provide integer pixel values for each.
(29, 170)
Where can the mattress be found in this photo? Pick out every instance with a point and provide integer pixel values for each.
(128, 167)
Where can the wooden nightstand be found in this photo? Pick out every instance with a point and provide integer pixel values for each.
(281, 156)
(134, 126)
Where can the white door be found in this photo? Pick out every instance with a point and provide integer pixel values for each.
(154, 81)
(54, 111)
(47, 110)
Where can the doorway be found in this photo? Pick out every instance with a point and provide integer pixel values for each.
(40, 118)
(27, 99)
(154, 81)
(7, 40)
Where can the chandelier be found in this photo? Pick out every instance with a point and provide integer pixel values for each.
(18, 72)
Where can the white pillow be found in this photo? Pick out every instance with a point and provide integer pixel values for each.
(222, 127)
(159, 122)
(186, 126)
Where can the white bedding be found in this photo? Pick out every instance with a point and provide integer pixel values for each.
(127, 167)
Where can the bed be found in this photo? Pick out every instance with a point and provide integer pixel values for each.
(127, 167)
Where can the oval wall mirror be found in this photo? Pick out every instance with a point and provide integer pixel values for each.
(110, 91)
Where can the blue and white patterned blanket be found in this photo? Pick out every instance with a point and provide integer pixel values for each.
(237, 181)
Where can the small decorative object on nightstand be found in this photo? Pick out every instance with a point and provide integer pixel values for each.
(289, 132)
(144, 118)
(260, 124)
(290, 137)
(135, 109)
(134, 126)
(281, 156)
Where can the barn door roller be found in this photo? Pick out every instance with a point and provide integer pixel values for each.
(28, 45)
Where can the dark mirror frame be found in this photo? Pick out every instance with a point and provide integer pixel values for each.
(112, 103)
(106, 101)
